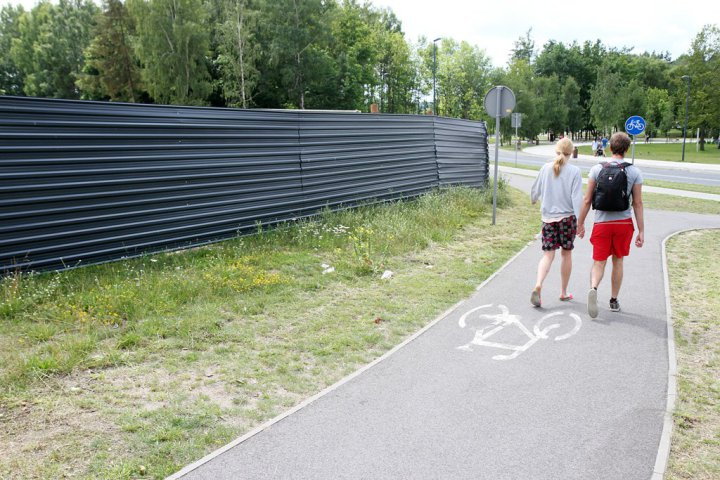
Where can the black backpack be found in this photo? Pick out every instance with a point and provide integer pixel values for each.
(611, 192)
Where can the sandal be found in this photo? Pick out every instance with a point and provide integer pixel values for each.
(535, 298)
(565, 299)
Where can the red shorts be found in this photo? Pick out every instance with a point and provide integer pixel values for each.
(612, 238)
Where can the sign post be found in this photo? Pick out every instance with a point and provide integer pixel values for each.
(499, 102)
(516, 122)
(634, 125)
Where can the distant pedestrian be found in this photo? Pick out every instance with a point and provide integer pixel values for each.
(594, 145)
(559, 184)
(604, 142)
(611, 187)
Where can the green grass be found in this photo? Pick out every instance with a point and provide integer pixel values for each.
(690, 187)
(139, 367)
(694, 291)
(671, 152)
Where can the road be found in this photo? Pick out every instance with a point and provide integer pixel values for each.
(649, 173)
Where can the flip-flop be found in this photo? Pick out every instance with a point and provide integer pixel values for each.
(565, 299)
(535, 298)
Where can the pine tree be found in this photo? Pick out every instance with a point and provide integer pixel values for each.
(111, 70)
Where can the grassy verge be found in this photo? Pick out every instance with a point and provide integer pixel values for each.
(670, 152)
(137, 368)
(694, 287)
(659, 201)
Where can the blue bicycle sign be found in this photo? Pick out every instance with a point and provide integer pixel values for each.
(635, 125)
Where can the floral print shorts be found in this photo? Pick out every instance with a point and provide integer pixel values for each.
(559, 234)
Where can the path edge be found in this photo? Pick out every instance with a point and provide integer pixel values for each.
(207, 458)
(663, 455)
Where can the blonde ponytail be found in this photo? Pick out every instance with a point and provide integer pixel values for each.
(563, 148)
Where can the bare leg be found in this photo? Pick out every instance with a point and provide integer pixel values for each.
(598, 270)
(544, 268)
(565, 270)
(617, 276)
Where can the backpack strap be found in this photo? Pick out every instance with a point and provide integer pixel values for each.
(625, 164)
(605, 164)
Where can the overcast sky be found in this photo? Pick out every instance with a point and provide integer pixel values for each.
(660, 25)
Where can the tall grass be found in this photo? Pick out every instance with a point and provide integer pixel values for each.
(94, 317)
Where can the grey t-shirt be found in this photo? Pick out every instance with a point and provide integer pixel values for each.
(633, 175)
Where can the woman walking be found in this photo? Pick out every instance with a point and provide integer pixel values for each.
(559, 184)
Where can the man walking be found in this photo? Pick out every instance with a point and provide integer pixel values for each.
(611, 186)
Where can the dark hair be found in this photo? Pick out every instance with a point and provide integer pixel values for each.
(619, 143)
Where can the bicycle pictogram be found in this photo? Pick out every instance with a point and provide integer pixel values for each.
(504, 319)
(635, 125)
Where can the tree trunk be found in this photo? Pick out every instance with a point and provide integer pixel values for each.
(240, 54)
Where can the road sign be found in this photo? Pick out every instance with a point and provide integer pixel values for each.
(499, 101)
(635, 125)
(516, 120)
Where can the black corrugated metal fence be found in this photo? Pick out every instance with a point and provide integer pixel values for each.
(84, 182)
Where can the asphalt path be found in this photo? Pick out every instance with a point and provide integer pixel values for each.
(478, 396)
(652, 173)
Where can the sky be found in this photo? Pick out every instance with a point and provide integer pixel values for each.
(494, 26)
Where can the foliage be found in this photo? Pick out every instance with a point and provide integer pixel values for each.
(341, 54)
(48, 52)
(172, 43)
(111, 70)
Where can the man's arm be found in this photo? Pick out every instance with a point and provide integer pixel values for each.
(637, 204)
(585, 207)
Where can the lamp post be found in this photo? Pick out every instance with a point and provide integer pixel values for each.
(434, 73)
(687, 79)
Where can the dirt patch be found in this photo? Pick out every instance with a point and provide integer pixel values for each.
(59, 432)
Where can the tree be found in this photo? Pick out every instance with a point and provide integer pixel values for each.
(551, 105)
(297, 69)
(703, 65)
(11, 77)
(520, 77)
(111, 69)
(172, 44)
(238, 52)
(524, 48)
(571, 101)
(463, 78)
(355, 52)
(605, 104)
(657, 102)
(49, 49)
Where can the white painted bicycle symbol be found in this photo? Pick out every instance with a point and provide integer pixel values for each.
(504, 319)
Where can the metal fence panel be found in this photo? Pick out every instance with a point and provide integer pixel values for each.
(84, 182)
(350, 158)
(462, 152)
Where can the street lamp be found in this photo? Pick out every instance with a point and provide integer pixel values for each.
(434, 73)
(687, 79)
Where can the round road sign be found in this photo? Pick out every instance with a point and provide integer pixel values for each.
(635, 125)
(499, 101)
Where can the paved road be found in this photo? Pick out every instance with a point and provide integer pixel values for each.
(585, 404)
(653, 173)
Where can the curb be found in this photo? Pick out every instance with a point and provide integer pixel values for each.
(663, 455)
(189, 468)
